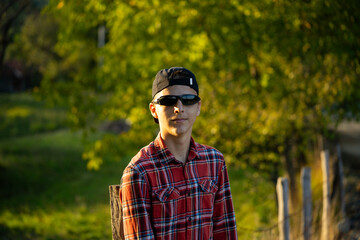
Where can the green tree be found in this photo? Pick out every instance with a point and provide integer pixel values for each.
(273, 74)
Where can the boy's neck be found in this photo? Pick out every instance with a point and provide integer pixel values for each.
(179, 146)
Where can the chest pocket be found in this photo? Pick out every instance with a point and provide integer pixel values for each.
(165, 207)
(208, 189)
(208, 186)
(167, 194)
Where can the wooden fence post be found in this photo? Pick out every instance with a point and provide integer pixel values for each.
(283, 212)
(307, 200)
(116, 213)
(344, 224)
(326, 195)
(341, 182)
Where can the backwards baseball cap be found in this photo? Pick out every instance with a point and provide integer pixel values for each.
(174, 76)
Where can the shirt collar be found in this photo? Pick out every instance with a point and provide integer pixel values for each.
(167, 155)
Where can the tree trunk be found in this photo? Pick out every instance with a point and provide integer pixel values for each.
(6, 25)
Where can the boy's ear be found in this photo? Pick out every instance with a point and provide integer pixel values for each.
(152, 108)
(199, 108)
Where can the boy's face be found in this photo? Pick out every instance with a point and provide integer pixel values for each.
(178, 119)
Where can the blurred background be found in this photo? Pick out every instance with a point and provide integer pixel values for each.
(279, 82)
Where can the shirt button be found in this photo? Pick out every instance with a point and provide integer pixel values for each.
(189, 219)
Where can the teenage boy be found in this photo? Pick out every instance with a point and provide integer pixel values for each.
(175, 188)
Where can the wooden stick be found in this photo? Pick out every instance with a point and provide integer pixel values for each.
(341, 183)
(116, 213)
(307, 200)
(283, 212)
(326, 196)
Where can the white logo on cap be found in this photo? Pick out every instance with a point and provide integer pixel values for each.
(190, 81)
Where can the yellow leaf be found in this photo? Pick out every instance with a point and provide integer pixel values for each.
(60, 5)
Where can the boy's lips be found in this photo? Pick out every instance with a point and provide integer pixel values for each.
(178, 119)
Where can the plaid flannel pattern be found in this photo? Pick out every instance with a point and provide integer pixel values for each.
(163, 198)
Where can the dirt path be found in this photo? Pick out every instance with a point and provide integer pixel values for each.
(349, 133)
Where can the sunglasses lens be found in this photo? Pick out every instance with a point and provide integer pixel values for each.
(189, 99)
(167, 100)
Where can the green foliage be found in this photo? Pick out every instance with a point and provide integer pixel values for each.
(257, 208)
(272, 74)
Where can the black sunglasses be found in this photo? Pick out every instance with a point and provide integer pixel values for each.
(171, 100)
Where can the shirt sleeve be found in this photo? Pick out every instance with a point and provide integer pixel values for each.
(224, 215)
(136, 205)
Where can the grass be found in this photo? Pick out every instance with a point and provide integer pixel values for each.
(48, 193)
(22, 115)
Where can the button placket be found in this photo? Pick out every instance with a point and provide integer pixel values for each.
(188, 198)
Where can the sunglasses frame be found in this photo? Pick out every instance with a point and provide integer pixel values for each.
(177, 97)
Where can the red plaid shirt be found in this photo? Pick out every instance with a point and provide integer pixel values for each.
(163, 198)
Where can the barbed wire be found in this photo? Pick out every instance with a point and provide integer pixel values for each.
(314, 230)
(352, 210)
